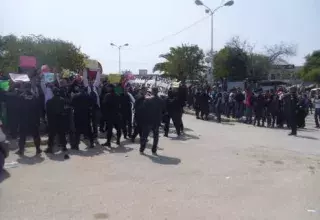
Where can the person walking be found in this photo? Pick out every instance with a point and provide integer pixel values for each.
(154, 107)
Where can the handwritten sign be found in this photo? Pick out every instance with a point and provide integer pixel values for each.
(19, 77)
(48, 77)
(92, 64)
(28, 61)
(114, 78)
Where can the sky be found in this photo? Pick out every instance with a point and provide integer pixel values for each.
(143, 24)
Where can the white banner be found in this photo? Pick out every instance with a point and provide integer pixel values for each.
(15, 77)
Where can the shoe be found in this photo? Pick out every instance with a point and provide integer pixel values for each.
(20, 152)
(75, 148)
(91, 146)
(292, 134)
(39, 151)
(64, 149)
(165, 135)
(107, 144)
(48, 151)
(154, 154)
(132, 140)
(141, 153)
(118, 142)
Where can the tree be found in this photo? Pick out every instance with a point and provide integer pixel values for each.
(311, 68)
(182, 62)
(231, 63)
(53, 52)
(280, 51)
(238, 60)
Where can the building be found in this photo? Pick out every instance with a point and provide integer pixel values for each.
(284, 71)
(143, 72)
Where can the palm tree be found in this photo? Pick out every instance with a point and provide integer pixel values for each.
(182, 62)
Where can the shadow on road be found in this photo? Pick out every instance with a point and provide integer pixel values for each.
(4, 174)
(307, 137)
(119, 150)
(88, 152)
(185, 137)
(60, 157)
(164, 160)
(30, 160)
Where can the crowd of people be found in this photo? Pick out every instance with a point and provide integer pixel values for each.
(69, 108)
(272, 108)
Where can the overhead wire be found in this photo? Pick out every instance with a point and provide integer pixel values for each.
(172, 35)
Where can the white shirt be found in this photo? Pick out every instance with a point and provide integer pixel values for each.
(317, 103)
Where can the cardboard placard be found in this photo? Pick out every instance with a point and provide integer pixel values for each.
(28, 61)
(48, 77)
(19, 77)
(92, 64)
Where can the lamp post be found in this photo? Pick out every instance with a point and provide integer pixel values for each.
(212, 12)
(119, 48)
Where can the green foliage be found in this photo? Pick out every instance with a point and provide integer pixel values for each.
(237, 60)
(231, 63)
(182, 62)
(259, 66)
(311, 69)
(56, 53)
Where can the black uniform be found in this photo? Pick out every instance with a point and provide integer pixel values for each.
(197, 103)
(57, 122)
(126, 115)
(12, 100)
(204, 105)
(173, 112)
(82, 105)
(29, 120)
(293, 114)
(138, 116)
(154, 107)
(111, 114)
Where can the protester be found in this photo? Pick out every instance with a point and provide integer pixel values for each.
(154, 107)
(29, 119)
(111, 114)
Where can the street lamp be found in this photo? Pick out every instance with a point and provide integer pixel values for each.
(212, 12)
(119, 48)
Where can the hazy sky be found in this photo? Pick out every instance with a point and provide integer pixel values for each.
(94, 24)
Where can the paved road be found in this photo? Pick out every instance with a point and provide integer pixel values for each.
(217, 171)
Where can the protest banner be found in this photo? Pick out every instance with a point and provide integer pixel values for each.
(27, 61)
(114, 78)
(19, 77)
(48, 77)
(92, 65)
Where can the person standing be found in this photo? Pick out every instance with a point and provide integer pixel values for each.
(218, 106)
(204, 105)
(317, 110)
(154, 107)
(92, 88)
(57, 121)
(139, 112)
(82, 104)
(293, 111)
(173, 112)
(126, 114)
(111, 114)
(29, 119)
(197, 103)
